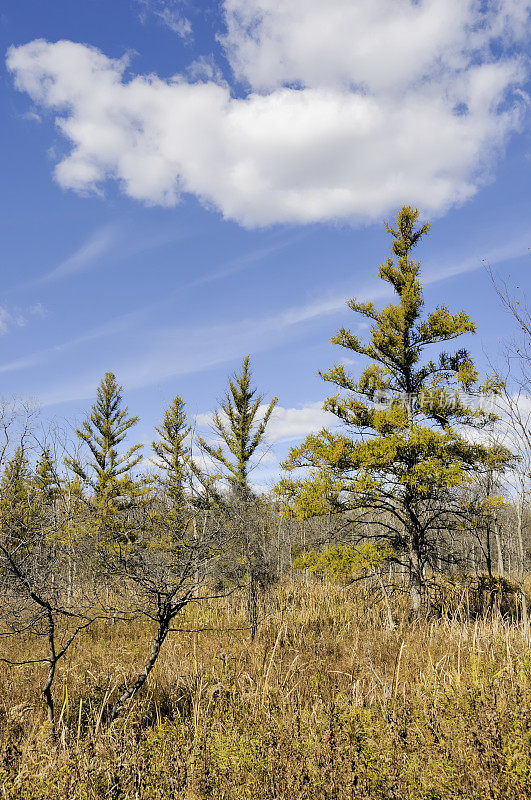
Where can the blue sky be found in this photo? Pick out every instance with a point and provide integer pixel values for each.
(185, 183)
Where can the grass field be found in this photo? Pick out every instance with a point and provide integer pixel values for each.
(327, 702)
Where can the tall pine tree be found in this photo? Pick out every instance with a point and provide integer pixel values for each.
(174, 454)
(404, 447)
(46, 478)
(108, 471)
(241, 427)
(18, 510)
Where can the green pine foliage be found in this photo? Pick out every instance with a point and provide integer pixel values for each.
(173, 452)
(46, 479)
(16, 478)
(17, 501)
(344, 561)
(108, 471)
(240, 428)
(400, 457)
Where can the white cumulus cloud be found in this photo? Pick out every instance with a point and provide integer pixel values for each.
(351, 108)
(382, 46)
(286, 424)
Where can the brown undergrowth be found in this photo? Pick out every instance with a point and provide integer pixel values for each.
(327, 702)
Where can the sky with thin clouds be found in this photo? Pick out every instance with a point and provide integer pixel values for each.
(186, 183)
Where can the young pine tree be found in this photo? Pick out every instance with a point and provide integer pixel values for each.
(17, 500)
(174, 453)
(108, 471)
(46, 479)
(241, 429)
(48, 485)
(401, 458)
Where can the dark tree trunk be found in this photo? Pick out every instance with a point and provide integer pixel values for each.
(488, 553)
(252, 604)
(416, 559)
(158, 641)
(47, 688)
(415, 582)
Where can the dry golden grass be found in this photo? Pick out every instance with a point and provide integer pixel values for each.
(326, 703)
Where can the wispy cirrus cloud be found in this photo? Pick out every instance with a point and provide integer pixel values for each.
(169, 13)
(47, 355)
(163, 352)
(13, 318)
(242, 262)
(516, 248)
(98, 244)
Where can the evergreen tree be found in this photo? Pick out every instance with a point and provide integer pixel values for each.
(16, 477)
(174, 452)
(240, 429)
(108, 472)
(48, 487)
(17, 501)
(46, 479)
(405, 448)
